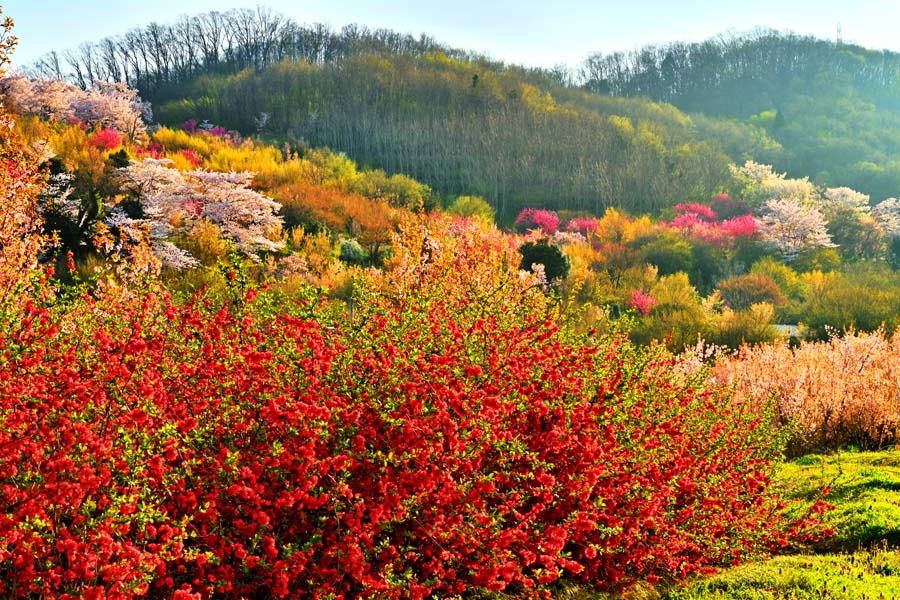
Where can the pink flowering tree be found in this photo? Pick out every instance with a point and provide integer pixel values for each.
(701, 221)
(642, 302)
(546, 221)
(583, 225)
(106, 105)
(727, 208)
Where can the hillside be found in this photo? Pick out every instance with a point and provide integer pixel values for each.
(833, 107)
(642, 130)
(450, 118)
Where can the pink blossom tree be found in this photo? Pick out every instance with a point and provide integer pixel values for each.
(546, 221)
(112, 105)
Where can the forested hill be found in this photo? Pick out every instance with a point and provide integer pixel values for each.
(463, 128)
(602, 136)
(834, 107)
(455, 120)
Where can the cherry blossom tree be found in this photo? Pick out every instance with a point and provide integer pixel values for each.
(105, 105)
(887, 213)
(792, 226)
(845, 198)
(172, 202)
(760, 183)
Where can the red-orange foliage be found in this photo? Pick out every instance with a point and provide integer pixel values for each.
(371, 222)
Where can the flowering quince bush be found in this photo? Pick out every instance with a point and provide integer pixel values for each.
(435, 444)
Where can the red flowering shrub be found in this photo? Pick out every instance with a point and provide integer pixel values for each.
(533, 218)
(191, 156)
(430, 447)
(151, 150)
(106, 139)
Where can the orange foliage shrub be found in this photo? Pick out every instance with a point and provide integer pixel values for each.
(20, 226)
(845, 391)
(371, 222)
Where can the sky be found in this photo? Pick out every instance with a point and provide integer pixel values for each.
(540, 33)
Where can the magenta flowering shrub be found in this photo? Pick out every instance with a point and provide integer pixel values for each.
(582, 225)
(546, 221)
(106, 139)
(642, 302)
(726, 208)
(702, 222)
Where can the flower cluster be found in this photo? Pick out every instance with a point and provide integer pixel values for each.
(642, 302)
(105, 139)
(429, 449)
(701, 222)
(546, 221)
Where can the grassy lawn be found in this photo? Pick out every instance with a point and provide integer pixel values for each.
(861, 561)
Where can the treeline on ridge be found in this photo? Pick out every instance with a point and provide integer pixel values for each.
(833, 107)
(585, 139)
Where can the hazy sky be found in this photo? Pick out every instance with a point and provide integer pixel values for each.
(531, 32)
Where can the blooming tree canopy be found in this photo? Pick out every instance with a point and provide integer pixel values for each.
(761, 183)
(108, 104)
(791, 226)
(844, 197)
(887, 213)
(173, 201)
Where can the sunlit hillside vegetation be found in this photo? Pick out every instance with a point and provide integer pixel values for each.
(369, 317)
(585, 139)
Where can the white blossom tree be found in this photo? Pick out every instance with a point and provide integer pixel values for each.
(792, 226)
(760, 183)
(172, 202)
(845, 198)
(887, 213)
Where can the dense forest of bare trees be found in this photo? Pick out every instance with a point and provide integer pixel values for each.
(467, 129)
(158, 58)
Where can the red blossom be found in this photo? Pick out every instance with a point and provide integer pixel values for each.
(106, 139)
(191, 156)
(218, 452)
